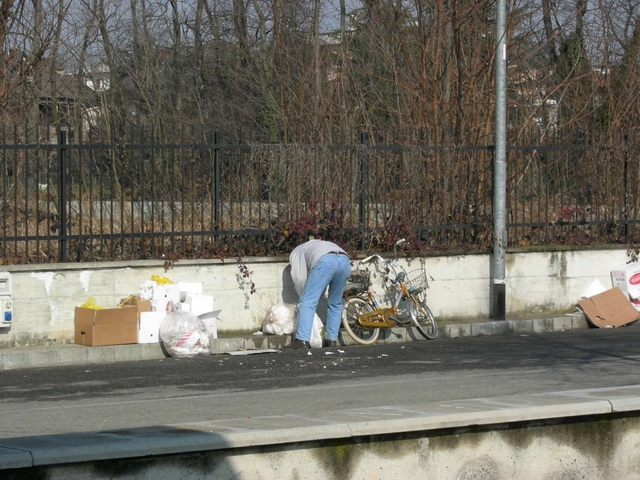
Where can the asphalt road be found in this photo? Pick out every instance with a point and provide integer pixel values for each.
(161, 392)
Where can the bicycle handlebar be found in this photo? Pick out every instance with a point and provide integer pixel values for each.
(378, 261)
(370, 258)
(378, 258)
(392, 267)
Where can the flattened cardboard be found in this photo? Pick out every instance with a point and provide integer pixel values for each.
(108, 326)
(609, 309)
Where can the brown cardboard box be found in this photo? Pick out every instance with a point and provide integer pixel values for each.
(109, 326)
(609, 309)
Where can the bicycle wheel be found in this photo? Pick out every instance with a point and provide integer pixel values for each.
(423, 319)
(353, 308)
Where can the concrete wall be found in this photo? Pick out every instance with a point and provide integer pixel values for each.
(547, 282)
(598, 448)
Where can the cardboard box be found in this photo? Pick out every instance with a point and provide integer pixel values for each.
(163, 295)
(109, 326)
(189, 287)
(609, 309)
(210, 320)
(149, 326)
(199, 303)
(627, 278)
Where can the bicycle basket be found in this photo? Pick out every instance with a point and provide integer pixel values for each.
(416, 281)
(358, 282)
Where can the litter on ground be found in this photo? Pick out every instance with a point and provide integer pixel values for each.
(253, 351)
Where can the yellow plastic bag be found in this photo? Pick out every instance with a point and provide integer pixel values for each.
(160, 280)
(90, 303)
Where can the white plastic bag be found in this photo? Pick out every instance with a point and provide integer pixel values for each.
(282, 319)
(146, 290)
(183, 334)
(316, 332)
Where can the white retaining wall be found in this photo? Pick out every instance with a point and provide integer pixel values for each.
(538, 283)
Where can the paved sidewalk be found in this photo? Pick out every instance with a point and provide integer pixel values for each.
(70, 354)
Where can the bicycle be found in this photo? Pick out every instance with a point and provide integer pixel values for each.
(363, 318)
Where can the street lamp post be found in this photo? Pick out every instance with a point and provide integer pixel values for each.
(498, 287)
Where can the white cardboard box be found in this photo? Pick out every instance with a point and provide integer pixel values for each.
(189, 287)
(212, 327)
(149, 326)
(199, 303)
(210, 320)
(163, 295)
(627, 278)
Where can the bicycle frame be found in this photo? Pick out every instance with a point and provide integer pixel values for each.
(383, 317)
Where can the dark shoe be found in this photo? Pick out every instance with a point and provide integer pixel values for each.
(329, 344)
(297, 344)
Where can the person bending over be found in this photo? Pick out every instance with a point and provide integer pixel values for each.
(316, 265)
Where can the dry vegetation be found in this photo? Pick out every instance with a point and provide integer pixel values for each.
(362, 121)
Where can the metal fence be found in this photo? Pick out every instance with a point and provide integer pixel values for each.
(69, 196)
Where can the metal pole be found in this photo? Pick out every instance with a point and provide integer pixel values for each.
(498, 293)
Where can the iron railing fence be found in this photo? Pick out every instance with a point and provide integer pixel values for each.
(66, 196)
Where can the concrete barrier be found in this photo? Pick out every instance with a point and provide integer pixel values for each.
(538, 283)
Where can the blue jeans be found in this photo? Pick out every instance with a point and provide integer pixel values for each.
(331, 270)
